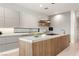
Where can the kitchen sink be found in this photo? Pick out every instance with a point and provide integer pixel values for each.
(52, 34)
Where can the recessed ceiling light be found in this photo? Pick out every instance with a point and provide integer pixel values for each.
(41, 5)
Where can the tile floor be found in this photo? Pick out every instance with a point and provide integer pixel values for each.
(72, 50)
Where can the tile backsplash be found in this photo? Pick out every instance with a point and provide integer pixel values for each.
(25, 30)
(7, 30)
(29, 30)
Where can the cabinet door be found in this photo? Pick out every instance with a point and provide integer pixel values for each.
(10, 13)
(65, 41)
(55, 46)
(1, 17)
(11, 39)
(11, 22)
(11, 18)
(8, 40)
(42, 48)
(38, 48)
(68, 40)
(2, 40)
(59, 44)
(1, 11)
(1, 22)
(47, 47)
(6, 47)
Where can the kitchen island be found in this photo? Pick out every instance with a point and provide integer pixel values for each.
(43, 45)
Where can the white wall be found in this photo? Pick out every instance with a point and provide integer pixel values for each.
(73, 27)
(30, 19)
(60, 22)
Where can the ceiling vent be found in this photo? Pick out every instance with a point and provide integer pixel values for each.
(52, 3)
(46, 8)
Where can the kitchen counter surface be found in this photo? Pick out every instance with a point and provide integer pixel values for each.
(40, 38)
(15, 34)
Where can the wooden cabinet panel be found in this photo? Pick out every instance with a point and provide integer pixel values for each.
(47, 47)
(37, 48)
(65, 41)
(50, 47)
(21, 48)
(42, 48)
(59, 44)
(55, 48)
(48, 51)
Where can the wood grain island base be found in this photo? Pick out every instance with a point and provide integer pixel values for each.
(43, 46)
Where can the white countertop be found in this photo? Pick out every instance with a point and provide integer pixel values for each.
(44, 37)
(14, 34)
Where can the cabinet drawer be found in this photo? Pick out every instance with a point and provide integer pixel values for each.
(8, 47)
(2, 41)
(7, 40)
(11, 39)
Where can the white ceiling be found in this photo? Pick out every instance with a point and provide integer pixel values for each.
(53, 8)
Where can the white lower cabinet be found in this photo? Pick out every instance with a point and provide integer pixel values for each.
(8, 40)
(8, 43)
(11, 46)
(2, 40)
(6, 47)
(11, 39)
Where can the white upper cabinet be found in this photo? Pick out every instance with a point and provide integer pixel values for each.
(10, 13)
(1, 22)
(11, 18)
(11, 22)
(1, 17)
(1, 12)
